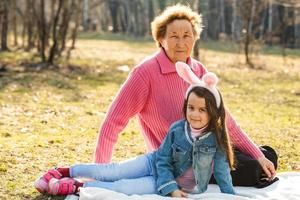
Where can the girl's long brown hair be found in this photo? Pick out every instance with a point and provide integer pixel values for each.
(217, 120)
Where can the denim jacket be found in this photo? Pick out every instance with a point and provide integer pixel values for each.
(179, 151)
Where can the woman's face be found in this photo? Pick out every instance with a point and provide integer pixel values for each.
(196, 113)
(179, 40)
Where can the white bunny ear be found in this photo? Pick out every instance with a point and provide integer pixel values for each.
(185, 72)
(210, 79)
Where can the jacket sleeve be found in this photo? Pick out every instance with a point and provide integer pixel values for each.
(129, 101)
(165, 178)
(222, 172)
(240, 140)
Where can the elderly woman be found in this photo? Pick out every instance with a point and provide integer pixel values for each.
(155, 94)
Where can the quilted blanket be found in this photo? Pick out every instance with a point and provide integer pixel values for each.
(286, 188)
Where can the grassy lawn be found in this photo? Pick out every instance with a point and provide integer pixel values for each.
(51, 117)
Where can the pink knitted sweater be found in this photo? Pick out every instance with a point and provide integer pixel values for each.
(155, 94)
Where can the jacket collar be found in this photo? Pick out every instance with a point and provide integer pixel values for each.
(187, 132)
(165, 64)
(190, 139)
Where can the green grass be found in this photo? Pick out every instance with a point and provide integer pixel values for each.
(51, 117)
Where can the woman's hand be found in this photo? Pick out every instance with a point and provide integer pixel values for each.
(268, 167)
(178, 193)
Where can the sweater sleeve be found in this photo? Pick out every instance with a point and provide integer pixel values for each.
(129, 101)
(240, 140)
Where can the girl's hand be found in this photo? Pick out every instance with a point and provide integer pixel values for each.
(178, 193)
(268, 167)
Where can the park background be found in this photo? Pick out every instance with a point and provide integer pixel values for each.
(63, 61)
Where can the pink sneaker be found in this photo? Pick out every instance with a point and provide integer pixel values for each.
(62, 186)
(41, 184)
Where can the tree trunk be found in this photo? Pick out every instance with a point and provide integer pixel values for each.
(262, 24)
(50, 22)
(53, 49)
(233, 20)
(1, 19)
(86, 14)
(23, 33)
(66, 16)
(270, 10)
(222, 17)
(113, 7)
(253, 6)
(196, 48)
(150, 13)
(248, 37)
(4, 25)
(246, 49)
(204, 7)
(29, 24)
(14, 21)
(131, 25)
(143, 11)
(295, 27)
(214, 19)
(77, 20)
(42, 30)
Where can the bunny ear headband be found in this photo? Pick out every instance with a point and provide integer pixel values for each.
(209, 80)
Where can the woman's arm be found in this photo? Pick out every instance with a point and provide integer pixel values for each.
(129, 101)
(242, 142)
(240, 139)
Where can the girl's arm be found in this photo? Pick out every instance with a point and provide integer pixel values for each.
(222, 172)
(166, 183)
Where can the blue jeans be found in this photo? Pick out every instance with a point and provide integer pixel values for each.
(134, 176)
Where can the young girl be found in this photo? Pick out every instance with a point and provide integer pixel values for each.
(192, 149)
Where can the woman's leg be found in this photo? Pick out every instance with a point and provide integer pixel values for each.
(143, 185)
(247, 172)
(130, 169)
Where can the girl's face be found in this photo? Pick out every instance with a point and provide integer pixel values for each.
(196, 112)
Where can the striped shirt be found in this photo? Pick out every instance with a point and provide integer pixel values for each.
(154, 93)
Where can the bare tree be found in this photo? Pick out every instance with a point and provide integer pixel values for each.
(113, 7)
(14, 21)
(41, 23)
(29, 16)
(250, 11)
(53, 49)
(222, 16)
(67, 12)
(77, 15)
(86, 17)
(4, 6)
(196, 49)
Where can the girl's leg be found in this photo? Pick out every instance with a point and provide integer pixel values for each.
(143, 185)
(130, 169)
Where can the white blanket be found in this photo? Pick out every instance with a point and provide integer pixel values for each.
(288, 187)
